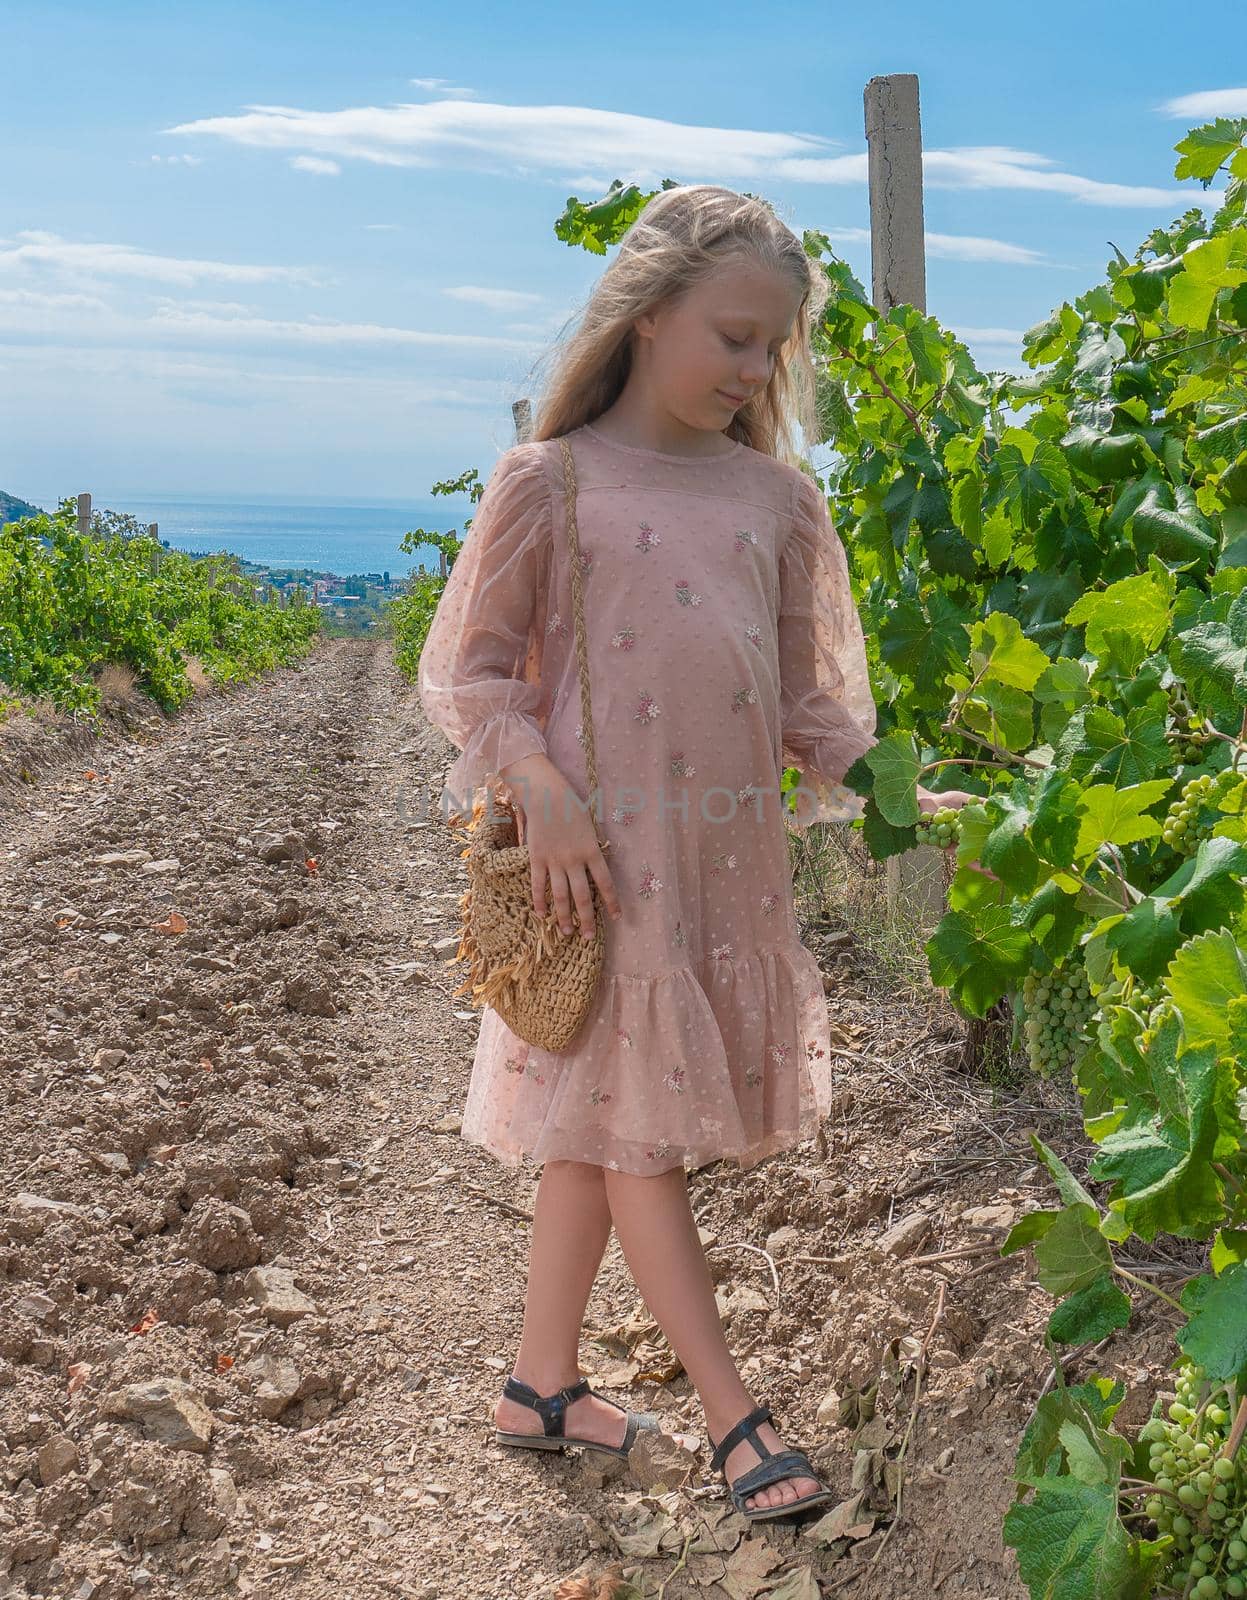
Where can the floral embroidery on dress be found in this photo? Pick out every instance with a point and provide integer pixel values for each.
(721, 952)
(650, 884)
(747, 797)
(525, 1069)
(624, 639)
(812, 1046)
(557, 625)
(623, 815)
(753, 1076)
(723, 862)
(679, 767)
(754, 635)
(768, 904)
(744, 697)
(779, 1054)
(684, 594)
(648, 538)
(660, 1151)
(678, 936)
(624, 1037)
(675, 1080)
(744, 536)
(586, 562)
(713, 1127)
(598, 1096)
(647, 709)
(580, 736)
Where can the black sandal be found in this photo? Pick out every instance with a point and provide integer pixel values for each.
(551, 1408)
(772, 1466)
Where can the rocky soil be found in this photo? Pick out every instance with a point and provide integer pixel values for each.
(258, 1296)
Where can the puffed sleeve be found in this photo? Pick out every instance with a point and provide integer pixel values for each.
(827, 710)
(478, 677)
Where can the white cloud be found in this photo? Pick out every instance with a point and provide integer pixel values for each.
(381, 227)
(318, 164)
(196, 324)
(185, 161)
(317, 332)
(41, 300)
(1005, 336)
(33, 248)
(998, 167)
(1207, 103)
(535, 140)
(955, 247)
(494, 299)
(441, 86)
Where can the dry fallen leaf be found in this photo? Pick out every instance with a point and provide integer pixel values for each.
(175, 922)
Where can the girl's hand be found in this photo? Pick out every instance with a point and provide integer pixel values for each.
(562, 845)
(956, 798)
(928, 802)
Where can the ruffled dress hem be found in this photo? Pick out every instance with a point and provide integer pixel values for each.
(719, 1038)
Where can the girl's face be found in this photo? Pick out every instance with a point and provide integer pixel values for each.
(704, 356)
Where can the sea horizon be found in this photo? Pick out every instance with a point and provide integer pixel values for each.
(324, 534)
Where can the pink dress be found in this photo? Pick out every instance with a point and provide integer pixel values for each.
(723, 646)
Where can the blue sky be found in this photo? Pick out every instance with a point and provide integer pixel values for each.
(308, 249)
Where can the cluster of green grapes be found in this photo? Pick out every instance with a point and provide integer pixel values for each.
(1199, 1494)
(1195, 813)
(1059, 1006)
(1190, 740)
(1188, 731)
(1145, 1001)
(939, 828)
(1242, 1106)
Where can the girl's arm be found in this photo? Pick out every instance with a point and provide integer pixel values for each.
(472, 675)
(827, 710)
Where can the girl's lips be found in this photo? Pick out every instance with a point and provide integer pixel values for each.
(735, 400)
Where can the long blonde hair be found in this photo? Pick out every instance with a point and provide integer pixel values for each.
(681, 237)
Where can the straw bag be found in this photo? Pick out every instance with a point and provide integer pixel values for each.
(540, 981)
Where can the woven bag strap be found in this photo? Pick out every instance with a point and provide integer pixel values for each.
(578, 612)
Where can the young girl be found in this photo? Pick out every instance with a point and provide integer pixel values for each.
(723, 646)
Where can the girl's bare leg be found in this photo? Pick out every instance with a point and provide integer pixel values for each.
(655, 1227)
(576, 1203)
(571, 1224)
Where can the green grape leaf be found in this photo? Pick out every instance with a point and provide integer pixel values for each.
(1141, 605)
(1067, 1185)
(1092, 1405)
(1163, 1163)
(1116, 816)
(1027, 1229)
(896, 764)
(1205, 149)
(1073, 1252)
(1207, 973)
(1072, 1545)
(1145, 938)
(925, 641)
(1007, 851)
(1090, 1313)
(1032, 485)
(1000, 650)
(978, 958)
(1216, 1336)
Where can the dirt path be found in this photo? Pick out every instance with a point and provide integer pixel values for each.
(259, 1297)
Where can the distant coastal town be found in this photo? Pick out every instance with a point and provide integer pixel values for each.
(351, 603)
